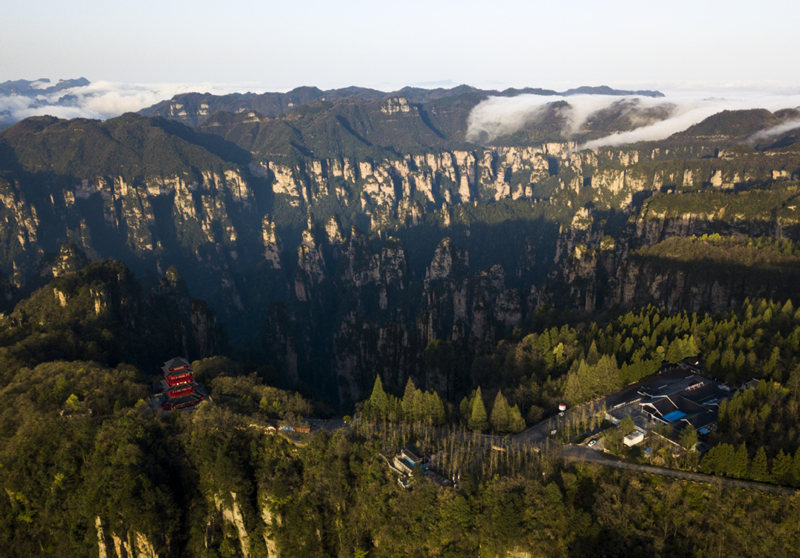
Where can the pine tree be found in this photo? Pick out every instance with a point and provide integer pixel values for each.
(499, 418)
(794, 475)
(410, 410)
(738, 467)
(515, 421)
(771, 365)
(592, 355)
(675, 351)
(718, 460)
(432, 408)
(758, 467)
(477, 419)
(574, 390)
(606, 376)
(377, 407)
(782, 468)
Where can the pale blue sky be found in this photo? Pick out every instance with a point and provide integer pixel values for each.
(389, 44)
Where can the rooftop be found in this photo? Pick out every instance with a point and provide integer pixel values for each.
(177, 363)
(678, 395)
(410, 455)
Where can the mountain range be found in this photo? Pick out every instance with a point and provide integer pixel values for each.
(337, 233)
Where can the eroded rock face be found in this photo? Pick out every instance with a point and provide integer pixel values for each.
(371, 259)
(225, 220)
(232, 515)
(271, 521)
(132, 544)
(310, 267)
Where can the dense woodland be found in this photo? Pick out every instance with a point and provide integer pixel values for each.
(80, 441)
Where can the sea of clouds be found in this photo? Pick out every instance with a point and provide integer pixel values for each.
(498, 116)
(104, 99)
(492, 118)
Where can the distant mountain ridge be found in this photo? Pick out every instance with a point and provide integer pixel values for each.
(38, 93)
(360, 122)
(23, 97)
(41, 86)
(195, 108)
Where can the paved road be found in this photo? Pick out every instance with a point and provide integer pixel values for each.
(538, 434)
(578, 453)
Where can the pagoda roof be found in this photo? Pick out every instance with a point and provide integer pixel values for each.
(177, 364)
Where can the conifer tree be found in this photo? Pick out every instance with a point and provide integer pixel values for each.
(794, 476)
(515, 421)
(431, 407)
(411, 411)
(782, 468)
(499, 418)
(758, 467)
(771, 365)
(738, 467)
(718, 459)
(592, 355)
(477, 419)
(377, 406)
(436, 409)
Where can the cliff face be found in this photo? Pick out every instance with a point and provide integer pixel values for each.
(340, 267)
(601, 272)
(132, 544)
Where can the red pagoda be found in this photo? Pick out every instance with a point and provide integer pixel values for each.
(180, 385)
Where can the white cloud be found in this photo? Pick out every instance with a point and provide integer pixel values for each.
(775, 130)
(499, 116)
(105, 99)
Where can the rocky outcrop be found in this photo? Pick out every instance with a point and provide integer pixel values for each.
(232, 515)
(102, 548)
(132, 544)
(272, 522)
(272, 247)
(310, 267)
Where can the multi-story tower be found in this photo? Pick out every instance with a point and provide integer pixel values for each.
(181, 388)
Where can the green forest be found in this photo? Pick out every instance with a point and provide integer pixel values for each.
(86, 461)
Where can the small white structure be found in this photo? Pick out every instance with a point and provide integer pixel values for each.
(635, 437)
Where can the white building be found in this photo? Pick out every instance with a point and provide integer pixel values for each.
(635, 437)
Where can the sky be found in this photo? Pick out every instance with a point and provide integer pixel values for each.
(268, 45)
(706, 55)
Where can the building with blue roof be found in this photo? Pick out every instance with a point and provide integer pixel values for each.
(677, 396)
